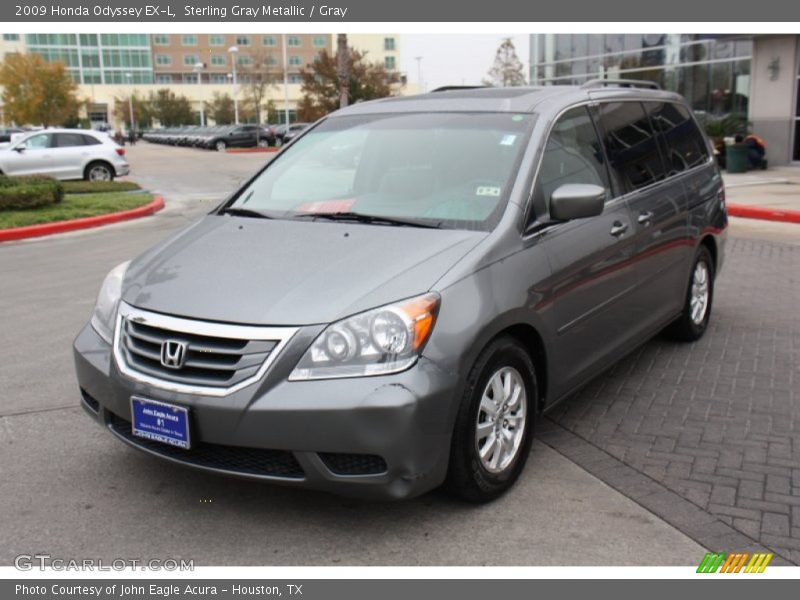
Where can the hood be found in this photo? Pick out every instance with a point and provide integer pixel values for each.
(278, 272)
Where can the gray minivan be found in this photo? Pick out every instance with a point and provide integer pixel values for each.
(390, 303)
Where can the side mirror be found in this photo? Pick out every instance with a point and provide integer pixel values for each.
(20, 148)
(577, 201)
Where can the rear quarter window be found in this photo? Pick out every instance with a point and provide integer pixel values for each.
(683, 143)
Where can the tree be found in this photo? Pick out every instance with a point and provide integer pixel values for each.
(321, 93)
(170, 109)
(221, 109)
(259, 75)
(36, 92)
(341, 68)
(142, 112)
(507, 69)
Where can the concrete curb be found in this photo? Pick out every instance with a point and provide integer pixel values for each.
(29, 231)
(764, 213)
(251, 150)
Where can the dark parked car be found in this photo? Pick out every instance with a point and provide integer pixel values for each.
(286, 134)
(376, 316)
(241, 136)
(7, 132)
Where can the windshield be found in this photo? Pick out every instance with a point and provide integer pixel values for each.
(450, 170)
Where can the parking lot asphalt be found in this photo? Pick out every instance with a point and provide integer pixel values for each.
(677, 449)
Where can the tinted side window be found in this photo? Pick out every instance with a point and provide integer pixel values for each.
(90, 141)
(630, 145)
(572, 155)
(684, 145)
(67, 140)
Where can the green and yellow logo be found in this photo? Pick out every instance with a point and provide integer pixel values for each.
(741, 562)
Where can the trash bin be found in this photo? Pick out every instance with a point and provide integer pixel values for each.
(736, 158)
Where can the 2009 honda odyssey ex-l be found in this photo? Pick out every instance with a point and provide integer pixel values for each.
(389, 304)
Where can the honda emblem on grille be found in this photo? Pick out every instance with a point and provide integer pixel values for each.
(173, 354)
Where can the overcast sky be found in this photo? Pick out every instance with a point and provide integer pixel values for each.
(455, 59)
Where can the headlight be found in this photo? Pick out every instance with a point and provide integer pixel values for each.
(377, 342)
(105, 309)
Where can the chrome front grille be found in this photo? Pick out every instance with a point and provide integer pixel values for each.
(217, 359)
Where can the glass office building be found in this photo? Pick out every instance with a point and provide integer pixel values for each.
(711, 72)
(107, 58)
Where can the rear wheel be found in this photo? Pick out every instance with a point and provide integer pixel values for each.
(494, 426)
(693, 321)
(99, 171)
(263, 143)
(221, 145)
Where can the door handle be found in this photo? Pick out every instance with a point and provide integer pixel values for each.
(618, 228)
(645, 217)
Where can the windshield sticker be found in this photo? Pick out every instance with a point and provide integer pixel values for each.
(487, 190)
(326, 206)
(508, 140)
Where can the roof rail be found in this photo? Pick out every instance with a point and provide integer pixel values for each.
(448, 88)
(639, 83)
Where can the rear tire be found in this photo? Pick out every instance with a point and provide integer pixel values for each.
(220, 145)
(494, 426)
(693, 321)
(99, 171)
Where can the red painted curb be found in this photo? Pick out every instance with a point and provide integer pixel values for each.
(21, 233)
(251, 150)
(763, 213)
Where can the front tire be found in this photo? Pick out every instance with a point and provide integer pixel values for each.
(494, 427)
(693, 321)
(221, 146)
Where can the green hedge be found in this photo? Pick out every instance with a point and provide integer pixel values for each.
(97, 187)
(30, 191)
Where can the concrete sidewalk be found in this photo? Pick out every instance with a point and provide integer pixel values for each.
(778, 188)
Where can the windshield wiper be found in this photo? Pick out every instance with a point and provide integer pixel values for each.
(371, 219)
(238, 211)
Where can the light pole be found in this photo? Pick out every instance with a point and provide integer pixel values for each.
(198, 68)
(285, 85)
(419, 72)
(132, 132)
(234, 51)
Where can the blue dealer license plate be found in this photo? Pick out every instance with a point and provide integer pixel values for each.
(160, 422)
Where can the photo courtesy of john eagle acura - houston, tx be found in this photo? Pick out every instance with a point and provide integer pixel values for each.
(390, 304)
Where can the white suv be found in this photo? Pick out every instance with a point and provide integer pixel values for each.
(65, 154)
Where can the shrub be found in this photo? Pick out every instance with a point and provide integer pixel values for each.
(96, 187)
(30, 191)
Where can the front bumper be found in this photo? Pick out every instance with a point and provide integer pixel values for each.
(296, 430)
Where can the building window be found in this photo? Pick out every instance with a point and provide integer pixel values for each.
(295, 61)
(293, 41)
(319, 41)
(218, 60)
(190, 60)
(242, 40)
(269, 40)
(388, 44)
(218, 78)
(389, 62)
(163, 59)
(244, 61)
(216, 40)
(161, 39)
(271, 60)
(10, 37)
(188, 40)
(163, 78)
(295, 78)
